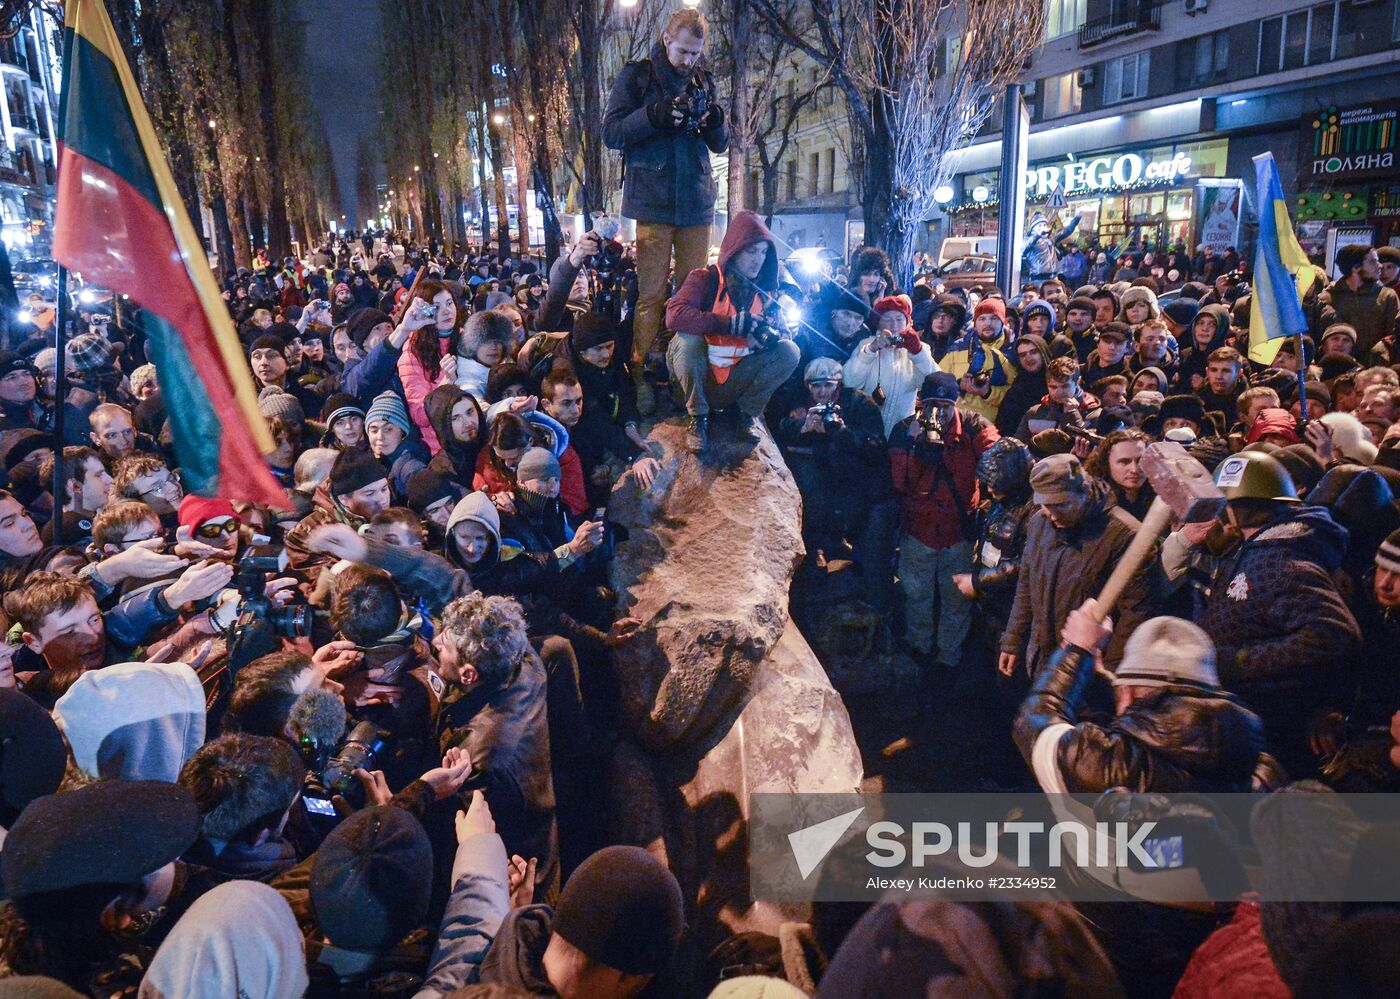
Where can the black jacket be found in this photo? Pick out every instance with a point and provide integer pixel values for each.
(844, 469)
(1284, 638)
(1180, 738)
(667, 177)
(996, 560)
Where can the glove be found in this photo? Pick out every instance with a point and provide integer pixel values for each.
(714, 118)
(910, 341)
(659, 114)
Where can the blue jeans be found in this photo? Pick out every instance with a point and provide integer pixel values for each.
(925, 576)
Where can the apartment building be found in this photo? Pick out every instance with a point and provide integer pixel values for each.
(1146, 114)
(30, 64)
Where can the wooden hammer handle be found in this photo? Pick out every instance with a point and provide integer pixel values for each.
(1159, 516)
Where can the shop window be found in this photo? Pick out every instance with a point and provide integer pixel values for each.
(1063, 17)
(1125, 79)
(1302, 38)
(1063, 96)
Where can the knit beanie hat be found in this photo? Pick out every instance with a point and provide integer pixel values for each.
(535, 464)
(939, 386)
(361, 321)
(1388, 555)
(10, 362)
(90, 352)
(269, 341)
(1182, 311)
(1082, 303)
(990, 307)
(354, 469)
(371, 880)
(1167, 650)
(1346, 329)
(623, 909)
(196, 510)
(895, 303)
(428, 487)
(591, 330)
(141, 377)
(1058, 478)
(32, 754)
(110, 832)
(388, 406)
(275, 402)
(339, 406)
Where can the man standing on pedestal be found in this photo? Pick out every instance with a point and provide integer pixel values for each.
(664, 116)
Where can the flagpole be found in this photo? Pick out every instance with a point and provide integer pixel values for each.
(1302, 379)
(60, 393)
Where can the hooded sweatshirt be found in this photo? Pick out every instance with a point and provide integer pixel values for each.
(455, 460)
(239, 939)
(1193, 359)
(135, 721)
(1026, 390)
(704, 305)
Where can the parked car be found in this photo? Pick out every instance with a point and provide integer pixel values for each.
(968, 272)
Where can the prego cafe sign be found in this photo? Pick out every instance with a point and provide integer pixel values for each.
(1104, 173)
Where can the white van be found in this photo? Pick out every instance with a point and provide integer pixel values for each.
(966, 246)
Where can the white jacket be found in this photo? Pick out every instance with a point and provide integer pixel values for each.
(897, 373)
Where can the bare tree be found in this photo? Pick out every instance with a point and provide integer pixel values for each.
(771, 140)
(920, 78)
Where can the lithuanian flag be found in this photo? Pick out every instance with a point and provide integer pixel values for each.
(121, 224)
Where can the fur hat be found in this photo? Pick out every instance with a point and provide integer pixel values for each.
(1138, 294)
(1351, 439)
(483, 328)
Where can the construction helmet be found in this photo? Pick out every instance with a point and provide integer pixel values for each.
(1255, 475)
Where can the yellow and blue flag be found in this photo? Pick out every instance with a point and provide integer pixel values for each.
(1282, 272)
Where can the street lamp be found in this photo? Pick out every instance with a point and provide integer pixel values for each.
(499, 119)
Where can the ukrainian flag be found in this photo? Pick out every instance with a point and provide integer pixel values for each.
(121, 224)
(1282, 272)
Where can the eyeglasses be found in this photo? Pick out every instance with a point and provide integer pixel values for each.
(213, 532)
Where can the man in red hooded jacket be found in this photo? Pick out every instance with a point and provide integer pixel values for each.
(715, 314)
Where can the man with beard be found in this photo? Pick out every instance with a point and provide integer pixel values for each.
(1072, 545)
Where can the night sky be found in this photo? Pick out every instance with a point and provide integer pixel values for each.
(342, 77)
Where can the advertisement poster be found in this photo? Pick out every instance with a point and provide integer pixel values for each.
(1346, 235)
(1220, 214)
(1355, 142)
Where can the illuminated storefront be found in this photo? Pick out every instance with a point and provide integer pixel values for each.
(1155, 191)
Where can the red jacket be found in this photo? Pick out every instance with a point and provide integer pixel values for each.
(940, 498)
(572, 492)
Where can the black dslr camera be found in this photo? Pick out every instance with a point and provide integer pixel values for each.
(333, 772)
(250, 578)
(830, 413)
(694, 103)
(930, 438)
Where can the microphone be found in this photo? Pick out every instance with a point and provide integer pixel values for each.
(317, 722)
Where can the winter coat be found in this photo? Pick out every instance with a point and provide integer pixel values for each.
(1282, 633)
(516, 957)
(506, 731)
(840, 472)
(893, 375)
(971, 355)
(996, 559)
(703, 305)
(417, 385)
(478, 904)
(1061, 568)
(1025, 391)
(1095, 374)
(666, 172)
(1179, 738)
(939, 486)
(1371, 309)
(377, 372)
(455, 460)
(1050, 415)
(326, 511)
(408, 459)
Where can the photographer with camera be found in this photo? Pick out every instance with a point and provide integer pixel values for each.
(664, 116)
(890, 365)
(979, 363)
(933, 464)
(732, 346)
(834, 442)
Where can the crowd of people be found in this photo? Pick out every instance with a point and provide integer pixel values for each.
(357, 745)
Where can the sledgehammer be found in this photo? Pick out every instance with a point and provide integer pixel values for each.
(1184, 488)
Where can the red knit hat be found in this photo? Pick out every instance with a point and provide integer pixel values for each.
(195, 511)
(990, 306)
(895, 303)
(1276, 422)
